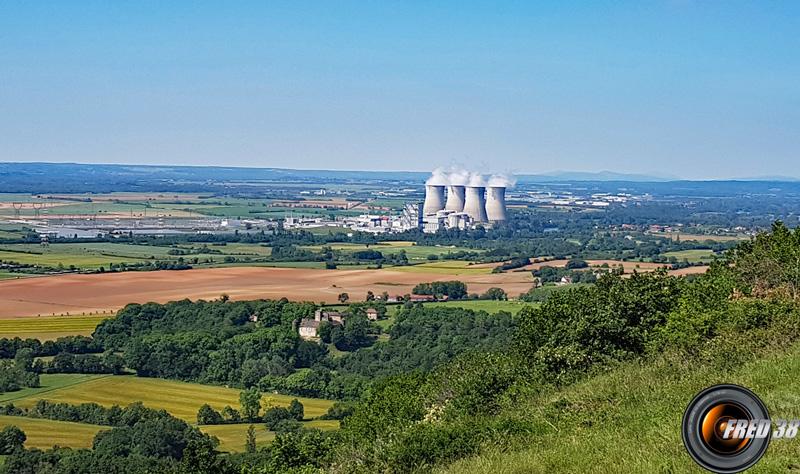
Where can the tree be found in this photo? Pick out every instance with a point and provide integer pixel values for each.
(275, 415)
(250, 444)
(250, 400)
(495, 294)
(324, 331)
(343, 297)
(296, 409)
(208, 416)
(23, 360)
(11, 439)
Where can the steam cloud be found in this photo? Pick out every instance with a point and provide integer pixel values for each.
(439, 177)
(462, 177)
(502, 180)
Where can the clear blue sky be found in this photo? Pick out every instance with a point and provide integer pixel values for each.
(693, 89)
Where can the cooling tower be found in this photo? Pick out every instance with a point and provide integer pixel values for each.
(475, 203)
(455, 198)
(496, 203)
(434, 199)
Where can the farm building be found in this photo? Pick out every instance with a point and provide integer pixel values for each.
(372, 314)
(332, 316)
(309, 328)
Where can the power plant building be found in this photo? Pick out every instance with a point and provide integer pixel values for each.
(463, 206)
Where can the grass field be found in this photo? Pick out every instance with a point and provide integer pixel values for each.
(232, 437)
(700, 255)
(51, 327)
(178, 398)
(45, 434)
(48, 383)
(628, 421)
(418, 253)
(447, 267)
(12, 275)
(181, 399)
(703, 237)
(490, 307)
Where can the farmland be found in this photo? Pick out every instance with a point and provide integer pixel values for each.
(91, 256)
(232, 437)
(692, 256)
(48, 383)
(51, 327)
(178, 398)
(513, 306)
(414, 252)
(103, 292)
(181, 399)
(44, 434)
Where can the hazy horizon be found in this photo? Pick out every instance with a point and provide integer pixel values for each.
(667, 89)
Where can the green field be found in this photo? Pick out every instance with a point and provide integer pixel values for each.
(418, 253)
(693, 256)
(48, 383)
(489, 306)
(95, 255)
(12, 275)
(44, 434)
(51, 327)
(448, 267)
(181, 399)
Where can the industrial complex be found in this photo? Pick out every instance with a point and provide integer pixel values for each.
(462, 200)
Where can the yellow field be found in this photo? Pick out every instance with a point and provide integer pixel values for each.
(178, 398)
(45, 434)
(51, 327)
(181, 399)
(233, 437)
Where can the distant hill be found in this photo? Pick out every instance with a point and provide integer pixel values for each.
(103, 178)
(599, 176)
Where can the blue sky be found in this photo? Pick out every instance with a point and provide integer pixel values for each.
(681, 88)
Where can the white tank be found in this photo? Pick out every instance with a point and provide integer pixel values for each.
(496, 203)
(434, 199)
(475, 203)
(455, 198)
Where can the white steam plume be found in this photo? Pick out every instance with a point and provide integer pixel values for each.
(475, 179)
(438, 178)
(502, 180)
(458, 177)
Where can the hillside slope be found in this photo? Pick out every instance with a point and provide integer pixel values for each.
(628, 420)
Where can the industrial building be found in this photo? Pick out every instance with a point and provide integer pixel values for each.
(463, 200)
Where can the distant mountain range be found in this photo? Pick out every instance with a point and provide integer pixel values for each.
(599, 176)
(74, 177)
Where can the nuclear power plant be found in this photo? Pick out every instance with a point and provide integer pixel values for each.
(434, 199)
(470, 200)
